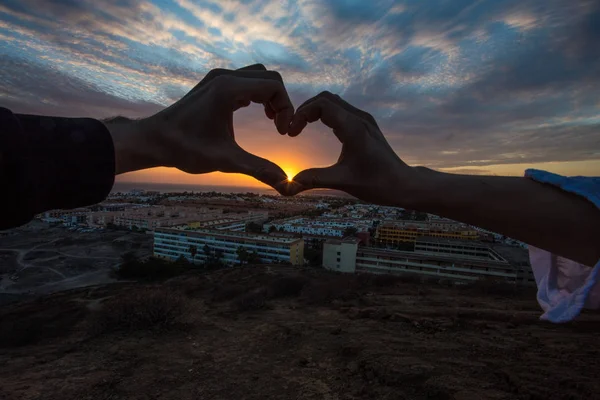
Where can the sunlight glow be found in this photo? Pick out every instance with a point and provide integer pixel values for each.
(290, 175)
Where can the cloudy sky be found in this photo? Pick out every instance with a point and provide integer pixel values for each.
(475, 86)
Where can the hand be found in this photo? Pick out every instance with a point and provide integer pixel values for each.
(196, 133)
(368, 168)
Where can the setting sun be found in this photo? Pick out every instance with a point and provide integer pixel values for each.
(289, 172)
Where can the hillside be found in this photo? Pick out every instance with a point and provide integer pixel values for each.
(267, 332)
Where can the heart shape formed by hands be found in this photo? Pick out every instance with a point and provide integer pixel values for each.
(196, 135)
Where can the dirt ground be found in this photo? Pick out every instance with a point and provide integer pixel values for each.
(41, 259)
(286, 333)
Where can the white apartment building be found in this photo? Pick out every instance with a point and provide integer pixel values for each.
(174, 243)
(151, 218)
(458, 261)
(334, 227)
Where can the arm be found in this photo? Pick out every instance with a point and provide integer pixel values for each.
(48, 163)
(541, 215)
(51, 162)
(369, 169)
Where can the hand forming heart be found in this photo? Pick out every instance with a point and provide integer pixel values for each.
(196, 135)
(368, 168)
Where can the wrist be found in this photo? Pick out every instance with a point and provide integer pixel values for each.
(415, 187)
(133, 145)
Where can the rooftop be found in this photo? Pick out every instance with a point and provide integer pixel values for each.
(453, 242)
(348, 239)
(259, 237)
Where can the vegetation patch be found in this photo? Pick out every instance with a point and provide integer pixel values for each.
(142, 309)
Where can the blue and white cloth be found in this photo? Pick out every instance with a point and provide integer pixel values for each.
(565, 287)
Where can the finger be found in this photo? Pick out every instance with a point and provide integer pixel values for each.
(214, 73)
(354, 110)
(243, 162)
(343, 103)
(253, 67)
(329, 112)
(269, 112)
(318, 178)
(265, 91)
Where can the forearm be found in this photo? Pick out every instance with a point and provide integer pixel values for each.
(51, 162)
(535, 213)
(134, 149)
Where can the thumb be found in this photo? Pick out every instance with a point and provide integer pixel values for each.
(318, 178)
(246, 163)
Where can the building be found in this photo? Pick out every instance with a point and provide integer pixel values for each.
(460, 248)
(396, 232)
(340, 255)
(194, 245)
(101, 218)
(454, 260)
(150, 218)
(330, 227)
(72, 217)
(230, 222)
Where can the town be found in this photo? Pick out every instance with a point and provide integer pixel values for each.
(336, 233)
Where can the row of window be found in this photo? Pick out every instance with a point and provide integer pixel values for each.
(193, 239)
(447, 268)
(185, 249)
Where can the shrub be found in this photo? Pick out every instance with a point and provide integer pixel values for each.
(339, 287)
(227, 292)
(153, 269)
(140, 309)
(288, 286)
(492, 286)
(31, 326)
(255, 300)
(379, 280)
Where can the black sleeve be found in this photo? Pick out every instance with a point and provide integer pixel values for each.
(49, 162)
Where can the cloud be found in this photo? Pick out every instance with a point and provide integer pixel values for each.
(453, 84)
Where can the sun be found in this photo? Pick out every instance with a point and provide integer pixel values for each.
(290, 176)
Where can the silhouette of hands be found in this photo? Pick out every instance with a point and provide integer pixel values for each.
(368, 168)
(196, 133)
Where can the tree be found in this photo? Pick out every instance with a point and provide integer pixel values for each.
(242, 255)
(253, 258)
(193, 251)
(182, 261)
(314, 257)
(350, 231)
(254, 227)
(219, 255)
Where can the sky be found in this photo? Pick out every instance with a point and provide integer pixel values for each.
(464, 86)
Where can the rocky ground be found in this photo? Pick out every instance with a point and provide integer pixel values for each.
(285, 333)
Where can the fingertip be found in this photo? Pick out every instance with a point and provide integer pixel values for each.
(255, 67)
(297, 125)
(272, 176)
(269, 112)
(291, 188)
(283, 120)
